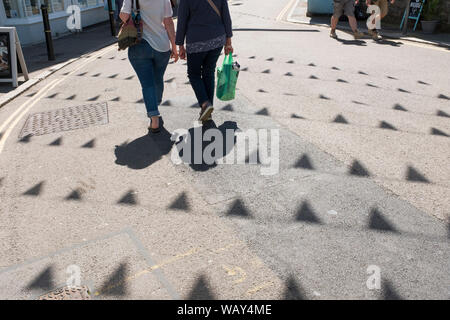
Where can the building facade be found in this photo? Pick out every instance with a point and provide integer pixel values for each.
(26, 16)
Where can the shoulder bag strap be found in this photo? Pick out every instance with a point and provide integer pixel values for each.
(211, 3)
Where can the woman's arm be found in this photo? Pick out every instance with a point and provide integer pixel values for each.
(126, 10)
(170, 28)
(183, 17)
(226, 18)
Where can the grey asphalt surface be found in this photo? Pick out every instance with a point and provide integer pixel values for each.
(348, 194)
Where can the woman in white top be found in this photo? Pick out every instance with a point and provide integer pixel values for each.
(151, 55)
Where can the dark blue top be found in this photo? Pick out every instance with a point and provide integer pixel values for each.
(198, 22)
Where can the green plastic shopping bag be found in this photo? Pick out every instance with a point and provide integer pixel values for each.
(226, 79)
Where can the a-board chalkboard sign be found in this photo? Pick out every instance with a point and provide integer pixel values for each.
(414, 8)
(5, 56)
(12, 62)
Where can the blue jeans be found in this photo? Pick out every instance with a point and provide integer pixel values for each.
(201, 71)
(150, 66)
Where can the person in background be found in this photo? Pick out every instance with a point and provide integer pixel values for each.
(383, 4)
(206, 27)
(119, 4)
(346, 7)
(151, 55)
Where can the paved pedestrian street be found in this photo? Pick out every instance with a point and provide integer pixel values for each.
(349, 198)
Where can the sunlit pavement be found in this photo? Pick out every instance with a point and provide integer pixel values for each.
(363, 180)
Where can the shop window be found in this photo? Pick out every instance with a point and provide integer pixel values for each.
(30, 8)
(57, 5)
(87, 3)
(11, 8)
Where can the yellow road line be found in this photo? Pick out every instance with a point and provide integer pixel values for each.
(25, 108)
(264, 285)
(12, 120)
(162, 264)
(285, 10)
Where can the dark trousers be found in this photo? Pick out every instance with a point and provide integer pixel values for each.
(201, 71)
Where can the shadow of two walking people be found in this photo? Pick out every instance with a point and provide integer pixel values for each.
(146, 150)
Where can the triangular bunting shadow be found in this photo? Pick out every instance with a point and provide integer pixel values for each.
(357, 169)
(238, 209)
(304, 162)
(389, 292)
(399, 107)
(414, 175)
(116, 284)
(340, 119)
(44, 281)
(378, 222)
(74, 195)
(201, 290)
(386, 125)
(292, 290)
(89, 144)
(26, 139)
(129, 199)
(263, 112)
(34, 191)
(441, 113)
(181, 203)
(57, 142)
(437, 132)
(94, 98)
(306, 214)
(228, 107)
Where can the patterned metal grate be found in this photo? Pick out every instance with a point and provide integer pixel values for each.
(68, 293)
(65, 119)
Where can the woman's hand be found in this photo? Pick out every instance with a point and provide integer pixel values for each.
(174, 54)
(228, 47)
(182, 52)
(124, 17)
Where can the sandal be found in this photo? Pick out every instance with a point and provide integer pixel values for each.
(153, 130)
(205, 113)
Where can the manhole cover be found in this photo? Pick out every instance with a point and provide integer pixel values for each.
(68, 293)
(65, 119)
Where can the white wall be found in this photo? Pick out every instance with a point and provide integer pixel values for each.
(31, 30)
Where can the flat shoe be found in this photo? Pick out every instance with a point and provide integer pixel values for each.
(206, 113)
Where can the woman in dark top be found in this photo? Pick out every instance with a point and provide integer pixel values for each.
(206, 26)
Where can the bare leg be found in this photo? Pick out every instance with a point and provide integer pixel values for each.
(155, 122)
(334, 22)
(353, 23)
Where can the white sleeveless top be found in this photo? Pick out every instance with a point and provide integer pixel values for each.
(153, 13)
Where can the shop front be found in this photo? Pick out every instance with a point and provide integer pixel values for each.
(26, 16)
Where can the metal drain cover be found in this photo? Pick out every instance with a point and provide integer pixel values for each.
(68, 293)
(71, 118)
